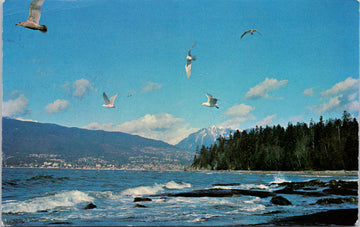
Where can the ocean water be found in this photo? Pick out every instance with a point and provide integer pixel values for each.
(58, 197)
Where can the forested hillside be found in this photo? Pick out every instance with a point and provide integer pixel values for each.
(330, 145)
(33, 144)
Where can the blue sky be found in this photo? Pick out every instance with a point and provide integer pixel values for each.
(305, 63)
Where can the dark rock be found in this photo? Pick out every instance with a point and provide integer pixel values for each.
(290, 190)
(317, 183)
(298, 187)
(331, 217)
(42, 211)
(139, 205)
(60, 223)
(279, 200)
(90, 206)
(301, 185)
(222, 193)
(230, 184)
(336, 201)
(138, 199)
(287, 190)
(342, 188)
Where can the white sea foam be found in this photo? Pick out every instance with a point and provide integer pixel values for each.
(256, 199)
(62, 199)
(220, 201)
(254, 207)
(104, 194)
(222, 187)
(257, 186)
(174, 185)
(247, 207)
(143, 190)
(279, 179)
(154, 189)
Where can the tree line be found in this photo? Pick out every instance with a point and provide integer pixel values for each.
(330, 145)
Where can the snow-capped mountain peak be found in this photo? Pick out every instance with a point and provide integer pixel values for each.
(205, 136)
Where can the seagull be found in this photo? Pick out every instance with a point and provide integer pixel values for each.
(34, 17)
(211, 101)
(189, 58)
(109, 102)
(251, 31)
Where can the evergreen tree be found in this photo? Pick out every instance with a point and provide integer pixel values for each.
(329, 145)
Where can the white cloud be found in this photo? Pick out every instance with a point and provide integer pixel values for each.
(352, 106)
(348, 85)
(58, 105)
(239, 110)
(163, 126)
(80, 87)
(309, 92)
(15, 107)
(267, 120)
(262, 90)
(151, 86)
(29, 120)
(97, 126)
(237, 114)
(341, 96)
(234, 123)
(329, 106)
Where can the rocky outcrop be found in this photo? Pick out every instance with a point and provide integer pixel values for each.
(326, 201)
(299, 185)
(290, 190)
(331, 217)
(90, 206)
(308, 188)
(279, 200)
(139, 199)
(342, 187)
(222, 193)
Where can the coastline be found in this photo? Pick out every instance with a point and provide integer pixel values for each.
(307, 172)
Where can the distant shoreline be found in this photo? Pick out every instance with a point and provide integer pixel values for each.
(310, 172)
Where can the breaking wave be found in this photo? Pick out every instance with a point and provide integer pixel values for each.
(154, 189)
(278, 180)
(174, 185)
(143, 190)
(48, 202)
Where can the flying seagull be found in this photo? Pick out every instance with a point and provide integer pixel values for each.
(251, 31)
(34, 17)
(189, 58)
(109, 103)
(211, 102)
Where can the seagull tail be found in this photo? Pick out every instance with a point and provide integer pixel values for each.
(43, 29)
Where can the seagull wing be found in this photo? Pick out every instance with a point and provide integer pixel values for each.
(213, 101)
(257, 31)
(244, 34)
(107, 101)
(112, 99)
(209, 97)
(189, 51)
(35, 11)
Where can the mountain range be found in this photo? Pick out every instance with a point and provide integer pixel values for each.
(36, 144)
(205, 136)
